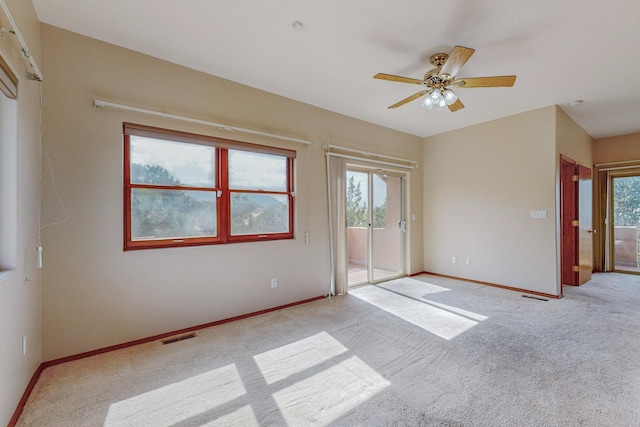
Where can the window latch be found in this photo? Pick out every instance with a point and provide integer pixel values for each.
(219, 193)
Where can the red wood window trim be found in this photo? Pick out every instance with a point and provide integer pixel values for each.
(290, 200)
(223, 205)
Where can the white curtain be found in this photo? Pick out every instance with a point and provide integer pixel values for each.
(337, 193)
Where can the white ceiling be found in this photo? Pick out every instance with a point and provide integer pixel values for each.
(561, 51)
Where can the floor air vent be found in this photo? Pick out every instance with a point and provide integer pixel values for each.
(180, 338)
(532, 297)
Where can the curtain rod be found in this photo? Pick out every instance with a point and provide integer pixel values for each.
(23, 45)
(367, 153)
(97, 103)
(380, 162)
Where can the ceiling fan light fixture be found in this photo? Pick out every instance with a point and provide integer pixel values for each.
(435, 96)
(439, 98)
(427, 102)
(449, 96)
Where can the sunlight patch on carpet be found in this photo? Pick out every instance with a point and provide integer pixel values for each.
(290, 359)
(414, 287)
(330, 394)
(419, 290)
(181, 400)
(243, 416)
(409, 304)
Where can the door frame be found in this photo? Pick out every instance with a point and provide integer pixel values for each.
(610, 224)
(404, 178)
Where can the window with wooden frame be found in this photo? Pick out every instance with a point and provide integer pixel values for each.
(183, 189)
(8, 80)
(9, 160)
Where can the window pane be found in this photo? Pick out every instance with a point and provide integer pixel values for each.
(357, 196)
(9, 189)
(256, 171)
(161, 162)
(165, 214)
(259, 213)
(380, 200)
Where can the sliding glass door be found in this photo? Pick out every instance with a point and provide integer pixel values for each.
(375, 226)
(625, 224)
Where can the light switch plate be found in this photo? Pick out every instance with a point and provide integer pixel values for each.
(539, 214)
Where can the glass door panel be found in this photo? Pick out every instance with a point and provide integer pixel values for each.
(357, 227)
(388, 227)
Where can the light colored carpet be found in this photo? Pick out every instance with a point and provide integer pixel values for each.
(426, 351)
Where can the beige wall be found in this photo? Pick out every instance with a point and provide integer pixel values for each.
(572, 140)
(481, 184)
(20, 287)
(96, 295)
(616, 148)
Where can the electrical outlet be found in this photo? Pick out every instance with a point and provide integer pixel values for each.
(24, 345)
(467, 261)
(274, 283)
(453, 260)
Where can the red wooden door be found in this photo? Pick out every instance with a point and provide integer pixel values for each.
(568, 216)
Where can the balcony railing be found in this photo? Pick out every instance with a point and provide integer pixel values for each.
(626, 248)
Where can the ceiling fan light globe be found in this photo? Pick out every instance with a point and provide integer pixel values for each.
(436, 96)
(449, 96)
(427, 103)
(442, 104)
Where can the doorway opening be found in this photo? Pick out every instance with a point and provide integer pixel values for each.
(375, 226)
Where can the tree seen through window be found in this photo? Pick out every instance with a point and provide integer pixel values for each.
(357, 210)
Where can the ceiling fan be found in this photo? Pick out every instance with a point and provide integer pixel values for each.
(438, 82)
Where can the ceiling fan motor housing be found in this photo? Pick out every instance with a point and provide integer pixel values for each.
(438, 59)
(433, 78)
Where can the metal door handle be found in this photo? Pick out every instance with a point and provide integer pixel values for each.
(592, 231)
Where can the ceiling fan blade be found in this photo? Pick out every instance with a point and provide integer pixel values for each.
(495, 81)
(457, 58)
(409, 99)
(397, 78)
(458, 105)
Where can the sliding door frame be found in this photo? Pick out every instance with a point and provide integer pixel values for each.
(610, 223)
(604, 260)
(402, 225)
